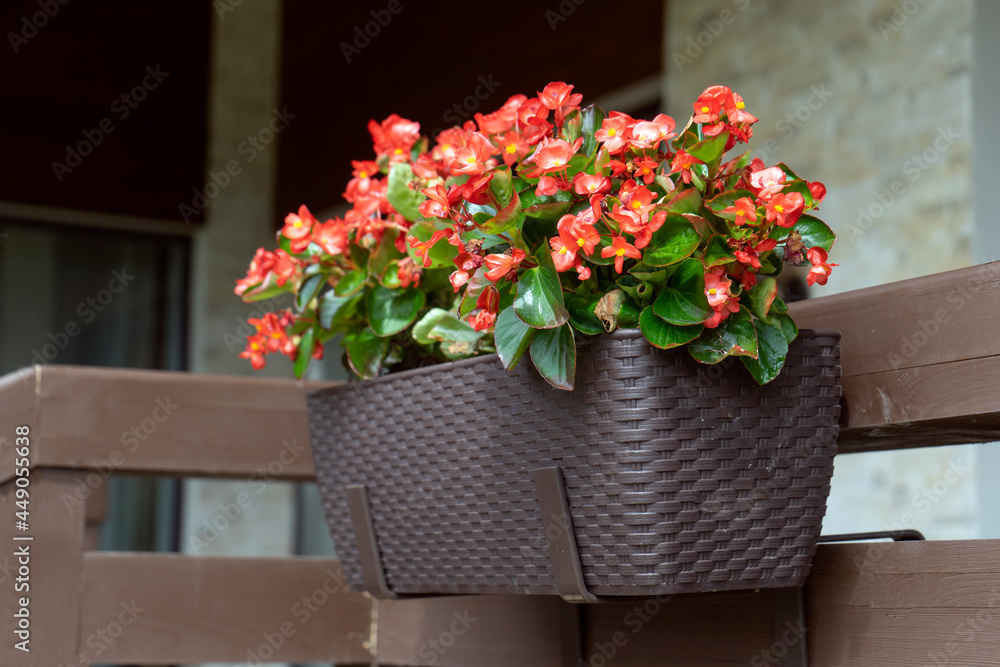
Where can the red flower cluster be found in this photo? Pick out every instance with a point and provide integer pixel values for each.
(533, 204)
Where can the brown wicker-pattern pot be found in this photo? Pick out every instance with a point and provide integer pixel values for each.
(680, 477)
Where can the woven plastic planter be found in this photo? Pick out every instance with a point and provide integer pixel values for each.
(679, 477)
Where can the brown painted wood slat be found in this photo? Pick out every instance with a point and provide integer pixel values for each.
(905, 603)
(920, 364)
(184, 609)
(486, 631)
(54, 564)
(132, 421)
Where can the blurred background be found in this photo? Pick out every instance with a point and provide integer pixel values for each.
(149, 149)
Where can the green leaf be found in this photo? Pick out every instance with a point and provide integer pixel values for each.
(772, 348)
(654, 278)
(581, 314)
(592, 118)
(628, 315)
(735, 335)
(426, 323)
(512, 337)
(539, 301)
(310, 286)
(672, 242)
(762, 295)
(546, 207)
(662, 334)
(510, 217)
(399, 194)
(787, 325)
(717, 251)
(442, 253)
(553, 352)
(710, 150)
(350, 283)
(306, 345)
(450, 328)
(392, 310)
(770, 264)
(683, 301)
(384, 253)
(502, 186)
(335, 309)
(814, 233)
(365, 352)
(683, 201)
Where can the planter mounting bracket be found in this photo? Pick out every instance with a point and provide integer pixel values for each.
(558, 522)
(372, 570)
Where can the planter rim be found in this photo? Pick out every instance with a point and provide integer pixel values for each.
(461, 363)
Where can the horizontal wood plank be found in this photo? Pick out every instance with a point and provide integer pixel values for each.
(486, 631)
(905, 603)
(918, 322)
(920, 368)
(170, 609)
(131, 421)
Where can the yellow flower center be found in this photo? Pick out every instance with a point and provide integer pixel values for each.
(712, 291)
(740, 104)
(297, 224)
(705, 109)
(511, 149)
(580, 242)
(612, 132)
(399, 151)
(563, 250)
(363, 174)
(471, 159)
(779, 208)
(445, 146)
(636, 204)
(620, 252)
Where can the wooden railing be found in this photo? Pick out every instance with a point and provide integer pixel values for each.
(907, 382)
